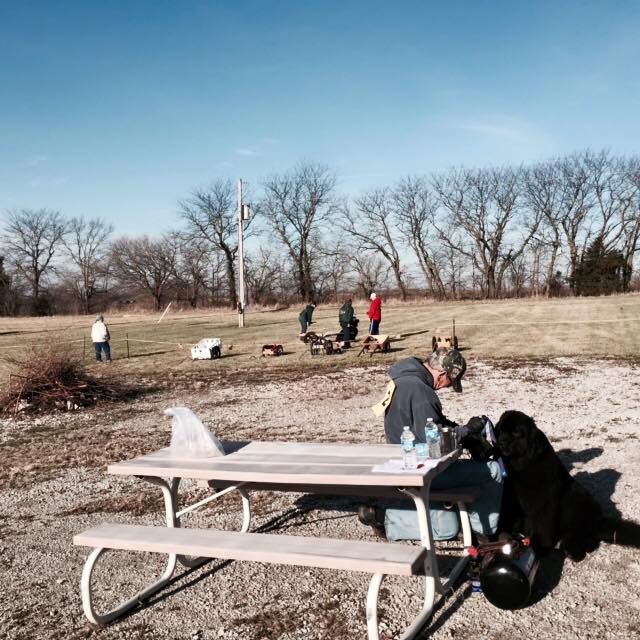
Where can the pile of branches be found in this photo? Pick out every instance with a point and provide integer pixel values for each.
(49, 379)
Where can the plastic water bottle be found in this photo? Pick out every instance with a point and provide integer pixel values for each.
(432, 437)
(407, 442)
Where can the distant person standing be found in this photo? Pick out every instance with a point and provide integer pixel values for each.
(345, 316)
(100, 337)
(305, 317)
(375, 314)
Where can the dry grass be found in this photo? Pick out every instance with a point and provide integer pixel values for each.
(41, 453)
(49, 377)
(528, 328)
(136, 504)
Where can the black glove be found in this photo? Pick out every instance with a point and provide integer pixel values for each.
(476, 424)
(479, 447)
(473, 427)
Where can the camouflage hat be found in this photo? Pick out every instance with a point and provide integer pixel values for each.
(451, 361)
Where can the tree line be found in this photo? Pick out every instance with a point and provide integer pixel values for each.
(569, 225)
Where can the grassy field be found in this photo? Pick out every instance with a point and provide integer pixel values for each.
(511, 329)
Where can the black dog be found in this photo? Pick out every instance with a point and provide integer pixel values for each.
(544, 502)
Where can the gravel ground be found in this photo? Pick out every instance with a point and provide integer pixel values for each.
(53, 484)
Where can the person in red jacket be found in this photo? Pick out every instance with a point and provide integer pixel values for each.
(375, 314)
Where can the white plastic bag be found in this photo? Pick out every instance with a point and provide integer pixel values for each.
(189, 437)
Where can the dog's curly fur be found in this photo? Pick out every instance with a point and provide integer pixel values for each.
(544, 502)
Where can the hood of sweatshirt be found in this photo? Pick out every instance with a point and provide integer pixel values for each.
(411, 367)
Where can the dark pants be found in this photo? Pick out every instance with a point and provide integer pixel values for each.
(303, 325)
(346, 333)
(373, 327)
(102, 347)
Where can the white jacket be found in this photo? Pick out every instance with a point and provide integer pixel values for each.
(99, 332)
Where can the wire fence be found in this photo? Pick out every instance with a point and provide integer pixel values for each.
(87, 344)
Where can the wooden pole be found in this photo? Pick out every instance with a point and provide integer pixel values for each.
(164, 313)
(128, 355)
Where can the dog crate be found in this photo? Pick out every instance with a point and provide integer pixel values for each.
(207, 349)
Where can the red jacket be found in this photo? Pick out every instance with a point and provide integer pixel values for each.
(375, 312)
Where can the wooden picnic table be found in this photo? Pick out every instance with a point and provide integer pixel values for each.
(325, 468)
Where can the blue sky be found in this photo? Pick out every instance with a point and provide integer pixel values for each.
(119, 109)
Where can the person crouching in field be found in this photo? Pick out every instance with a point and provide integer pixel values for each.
(375, 315)
(305, 317)
(100, 338)
(345, 317)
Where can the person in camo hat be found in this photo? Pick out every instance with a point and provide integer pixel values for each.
(410, 400)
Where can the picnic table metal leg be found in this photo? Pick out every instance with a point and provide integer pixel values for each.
(87, 572)
(102, 619)
(372, 606)
(433, 583)
(431, 574)
(466, 525)
(173, 516)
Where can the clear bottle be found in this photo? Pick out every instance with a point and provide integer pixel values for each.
(432, 438)
(407, 442)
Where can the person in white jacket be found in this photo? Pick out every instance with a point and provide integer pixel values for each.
(100, 337)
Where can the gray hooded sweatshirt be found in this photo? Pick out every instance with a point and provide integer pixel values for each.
(414, 400)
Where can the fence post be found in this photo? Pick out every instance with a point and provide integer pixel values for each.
(128, 356)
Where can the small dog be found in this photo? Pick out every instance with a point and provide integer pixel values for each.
(544, 502)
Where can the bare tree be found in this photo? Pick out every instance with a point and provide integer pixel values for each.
(415, 210)
(615, 205)
(370, 270)
(631, 223)
(192, 268)
(87, 244)
(8, 294)
(485, 205)
(544, 194)
(31, 239)
(211, 215)
(146, 264)
(295, 206)
(262, 270)
(574, 206)
(373, 225)
(333, 269)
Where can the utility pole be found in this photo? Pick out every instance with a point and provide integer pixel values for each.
(242, 215)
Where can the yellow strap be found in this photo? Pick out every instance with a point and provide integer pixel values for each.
(381, 408)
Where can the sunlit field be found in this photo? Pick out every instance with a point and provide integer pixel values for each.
(605, 326)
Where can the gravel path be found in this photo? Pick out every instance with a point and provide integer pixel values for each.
(53, 484)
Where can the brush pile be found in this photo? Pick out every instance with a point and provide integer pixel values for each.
(49, 379)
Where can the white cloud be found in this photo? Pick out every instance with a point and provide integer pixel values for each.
(35, 160)
(493, 130)
(38, 183)
(506, 129)
(247, 151)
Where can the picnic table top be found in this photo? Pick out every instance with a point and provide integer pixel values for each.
(311, 463)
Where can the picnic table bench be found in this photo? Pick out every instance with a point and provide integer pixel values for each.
(332, 469)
